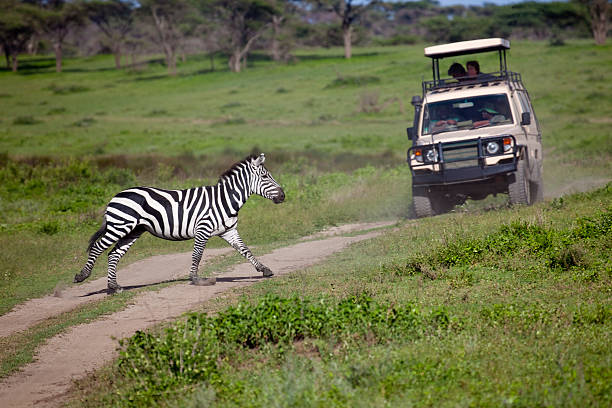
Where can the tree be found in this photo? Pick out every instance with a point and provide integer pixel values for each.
(349, 13)
(55, 19)
(241, 22)
(16, 30)
(167, 16)
(282, 32)
(599, 11)
(114, 18)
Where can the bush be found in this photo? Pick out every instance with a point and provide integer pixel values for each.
(25, 120)
(192, 351)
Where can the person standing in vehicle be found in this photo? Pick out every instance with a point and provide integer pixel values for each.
(473, 68)
(456, 70)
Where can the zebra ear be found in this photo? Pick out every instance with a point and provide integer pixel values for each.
(260, 160)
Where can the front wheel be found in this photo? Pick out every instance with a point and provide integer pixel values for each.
(429, 203)
(422, 203)
(519, 189)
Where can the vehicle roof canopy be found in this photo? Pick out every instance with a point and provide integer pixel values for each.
(437, 52)
(467, 47)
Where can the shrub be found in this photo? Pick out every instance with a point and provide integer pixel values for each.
(192, 351)
(25, 120)
(353, 81)
(68, 89)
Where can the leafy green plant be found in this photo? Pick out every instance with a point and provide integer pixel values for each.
(352, 81)
(190, 351)
(67, 89)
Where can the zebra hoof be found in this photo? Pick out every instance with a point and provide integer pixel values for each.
(114, 289)
(204, 281)
(267, 272)
(80, 277)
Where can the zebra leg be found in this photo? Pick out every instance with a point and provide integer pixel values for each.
(201, 239)
(96, 247)
(233, 238)
(115, 255)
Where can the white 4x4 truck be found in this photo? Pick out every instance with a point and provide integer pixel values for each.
(473, 135)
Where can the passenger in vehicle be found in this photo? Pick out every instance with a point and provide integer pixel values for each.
(456, 70)
(489, 117)
(473, 68)
(443, 117)
(473, 71)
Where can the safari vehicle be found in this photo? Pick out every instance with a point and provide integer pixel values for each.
(473, 135)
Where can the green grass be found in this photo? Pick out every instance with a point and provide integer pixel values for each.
(70, 141)
(491, 329)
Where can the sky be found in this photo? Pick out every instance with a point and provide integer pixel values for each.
(480, 2)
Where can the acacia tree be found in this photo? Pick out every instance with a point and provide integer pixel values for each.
(167, 16)
(114, 18)
(281, 29)
(56, 19)
(16, 30)
(349, 13)
(240, 22)
(599, 11)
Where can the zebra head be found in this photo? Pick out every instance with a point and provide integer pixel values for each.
(263, 183)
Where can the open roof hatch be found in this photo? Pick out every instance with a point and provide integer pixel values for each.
(437, 52)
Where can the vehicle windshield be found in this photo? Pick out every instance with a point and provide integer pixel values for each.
(466, 113)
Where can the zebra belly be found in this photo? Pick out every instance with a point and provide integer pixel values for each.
(160, 234)
(225, 226)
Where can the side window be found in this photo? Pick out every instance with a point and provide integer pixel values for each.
(524, 103)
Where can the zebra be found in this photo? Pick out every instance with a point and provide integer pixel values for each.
(196, 213)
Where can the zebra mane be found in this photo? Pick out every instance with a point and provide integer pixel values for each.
(229, 171)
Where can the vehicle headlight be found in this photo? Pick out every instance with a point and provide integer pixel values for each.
(431, 155)
(492, 148)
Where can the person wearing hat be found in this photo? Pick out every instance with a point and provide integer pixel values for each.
(491, 115)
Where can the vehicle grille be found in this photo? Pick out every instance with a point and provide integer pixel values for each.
(461, 155)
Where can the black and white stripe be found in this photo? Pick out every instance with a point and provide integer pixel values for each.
(199, 213)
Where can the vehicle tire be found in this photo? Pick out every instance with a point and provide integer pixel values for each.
(519, 189)
(422, 203)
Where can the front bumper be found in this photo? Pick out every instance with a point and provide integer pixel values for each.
(462, 161)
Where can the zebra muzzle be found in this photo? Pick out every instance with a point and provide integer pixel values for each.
(279, 197)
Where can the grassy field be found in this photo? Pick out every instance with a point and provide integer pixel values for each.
(334, 134)
(494, 308)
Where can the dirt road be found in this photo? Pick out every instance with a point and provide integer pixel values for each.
(71, 355)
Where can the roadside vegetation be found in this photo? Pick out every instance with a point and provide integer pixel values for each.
(509, 307)
(333, 131)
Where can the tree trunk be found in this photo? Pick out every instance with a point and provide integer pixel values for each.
(275, 45)
(235, 61)
(239, 55)
(117, 55)
(599, 21)
(347, 31)
(170, 59)
(57, 48)
(14, 62)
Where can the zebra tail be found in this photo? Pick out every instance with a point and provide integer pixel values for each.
(96, 236)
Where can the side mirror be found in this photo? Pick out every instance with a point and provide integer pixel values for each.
(526, 118)
(410, 132)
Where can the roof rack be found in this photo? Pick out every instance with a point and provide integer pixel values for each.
(512, 78)
(438, 52)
